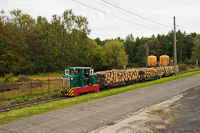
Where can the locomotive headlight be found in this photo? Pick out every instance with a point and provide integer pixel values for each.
(71, 78)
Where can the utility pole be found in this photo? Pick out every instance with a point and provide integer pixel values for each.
(175, 55)
(147, 52)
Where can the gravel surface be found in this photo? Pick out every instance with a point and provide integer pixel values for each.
(187, 114)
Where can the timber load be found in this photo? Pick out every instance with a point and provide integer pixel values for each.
(117, 77)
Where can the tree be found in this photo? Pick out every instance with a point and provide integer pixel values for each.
(164, 44)
(39, 51)
(96, 54)
(77, 31)
(29, 47)
(99, 42)
(189, 44)
(170, 37)
(180, 45)
(140, 55)
(131, 48)
(17, 34)
(154, 46)
(114, 54)
(91, 47)
(120, 39)
(196, 50)
(6, 57)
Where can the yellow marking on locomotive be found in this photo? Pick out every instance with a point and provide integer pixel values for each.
(67, 91)
(60, 89)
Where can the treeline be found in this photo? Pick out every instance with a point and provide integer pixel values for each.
(29, 46)
(187, 47)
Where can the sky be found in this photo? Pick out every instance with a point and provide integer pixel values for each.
(118, 18)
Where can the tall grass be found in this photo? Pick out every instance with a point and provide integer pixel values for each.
(45, 75)
(25, 94)
(36, 76)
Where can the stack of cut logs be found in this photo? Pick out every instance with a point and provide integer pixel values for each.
(117, 76)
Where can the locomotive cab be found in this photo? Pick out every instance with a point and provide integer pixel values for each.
(78, 80)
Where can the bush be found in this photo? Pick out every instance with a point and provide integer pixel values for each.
(39, 97)
(182, 67)
(25, 99)
(8, 79)
(23, 78)
(186, 61)
(17, 101)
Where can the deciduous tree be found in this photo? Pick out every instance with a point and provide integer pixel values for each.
(114, 54)
(196, 50)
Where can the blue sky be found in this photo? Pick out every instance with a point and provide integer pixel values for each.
(106, 26)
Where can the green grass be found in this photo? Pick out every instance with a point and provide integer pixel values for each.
(18, 114)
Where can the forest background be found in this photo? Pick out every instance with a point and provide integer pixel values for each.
(29, 46)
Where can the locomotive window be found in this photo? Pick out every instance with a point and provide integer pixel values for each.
(75, 72)
(72, 72)
(86, 72)
(78, 72)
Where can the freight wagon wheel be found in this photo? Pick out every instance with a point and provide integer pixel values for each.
(143, 80)
(134, 82)
(105, 87)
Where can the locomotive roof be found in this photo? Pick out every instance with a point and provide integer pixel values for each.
(79, 68)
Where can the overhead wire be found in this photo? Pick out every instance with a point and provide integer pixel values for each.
(107, 6)
(125, 14)
(161, 21)
(112, 15)
(135, 14)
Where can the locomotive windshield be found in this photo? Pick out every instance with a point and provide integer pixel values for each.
(74, 72)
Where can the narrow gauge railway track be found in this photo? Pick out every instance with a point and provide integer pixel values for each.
(28, 104)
